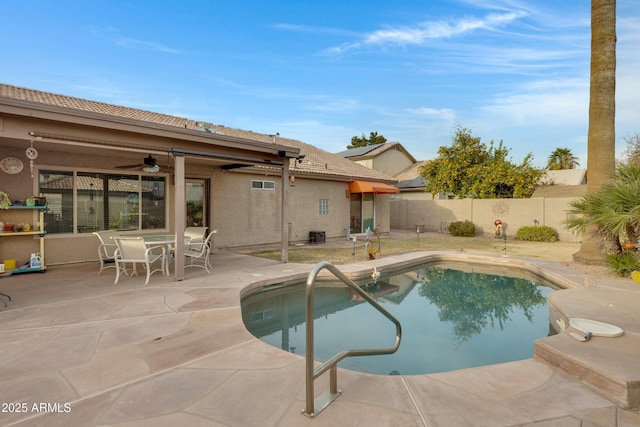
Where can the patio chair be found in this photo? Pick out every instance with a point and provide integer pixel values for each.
(199, 252)
(133, 250)
(106, 249)
(195, 235)
(5, 298)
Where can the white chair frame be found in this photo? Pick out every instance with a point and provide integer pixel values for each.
(195, 235)
(133, 250)
(200, 251)
(107, 249)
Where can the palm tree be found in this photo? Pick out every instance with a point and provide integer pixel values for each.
(562, 158)
(602, 105)
(614, 209)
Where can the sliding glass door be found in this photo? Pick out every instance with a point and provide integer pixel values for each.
(197, 202)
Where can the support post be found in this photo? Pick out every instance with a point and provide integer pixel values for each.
(179, 215)
(284, 250)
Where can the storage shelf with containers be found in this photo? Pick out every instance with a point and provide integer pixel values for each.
(13, 226)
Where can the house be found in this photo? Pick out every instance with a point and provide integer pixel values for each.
(103, 166)
(562, 183)
(393, 159)
(390, 158)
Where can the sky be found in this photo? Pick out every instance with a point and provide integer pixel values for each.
(321, 72)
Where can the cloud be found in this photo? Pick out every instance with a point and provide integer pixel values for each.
(427, 31)
(543, 102)
(112, 33)
(339, 105)
(436, 113)
(313, 30)
(130, 43)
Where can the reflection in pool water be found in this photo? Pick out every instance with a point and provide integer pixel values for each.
(451, 319)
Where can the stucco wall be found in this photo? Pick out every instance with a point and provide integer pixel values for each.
(391, 162)
(514, 213)
(248, 217)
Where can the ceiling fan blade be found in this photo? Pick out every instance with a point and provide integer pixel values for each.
(137, 165)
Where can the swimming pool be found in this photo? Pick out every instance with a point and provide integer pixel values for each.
(453, 316)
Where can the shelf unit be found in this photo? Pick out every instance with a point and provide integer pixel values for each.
(42, 232)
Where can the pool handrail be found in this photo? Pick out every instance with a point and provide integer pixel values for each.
(315, 406)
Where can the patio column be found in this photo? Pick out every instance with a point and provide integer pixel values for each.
(284, 251)
(179, 215)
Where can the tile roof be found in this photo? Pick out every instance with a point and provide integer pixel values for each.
(65, 182)
(374, 150)
(317, 162)
(564, 177)
(560, 191)
(410, 177)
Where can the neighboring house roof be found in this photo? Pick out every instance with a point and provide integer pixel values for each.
(65, 182)
(562, 183)
(322, 163)
(358, 151)
(317, 162)
(564, 177)
(410, 177)
(371, 151)
(559, 191)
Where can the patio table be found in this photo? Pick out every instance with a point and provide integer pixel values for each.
(167, 240)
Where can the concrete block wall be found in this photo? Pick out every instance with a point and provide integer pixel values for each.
(435, 215)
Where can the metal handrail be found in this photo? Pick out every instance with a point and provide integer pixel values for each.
(311, 374)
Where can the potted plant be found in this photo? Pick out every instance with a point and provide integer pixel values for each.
(5, 201)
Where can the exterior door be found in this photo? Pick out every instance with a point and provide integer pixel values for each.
(197, 202)
(362, 212)
(356, 213)
(368, 220)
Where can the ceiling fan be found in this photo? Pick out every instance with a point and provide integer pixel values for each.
(149, 165)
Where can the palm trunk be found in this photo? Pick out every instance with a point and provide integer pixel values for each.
(601, 138)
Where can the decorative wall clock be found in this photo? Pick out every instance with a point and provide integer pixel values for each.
(11, 165)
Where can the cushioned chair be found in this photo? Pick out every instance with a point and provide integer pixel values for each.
(106, 249)
(199, 251)
(133, 250)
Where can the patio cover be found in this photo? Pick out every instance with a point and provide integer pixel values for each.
(371, 187)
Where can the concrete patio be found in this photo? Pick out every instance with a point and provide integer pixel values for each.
(78, 350)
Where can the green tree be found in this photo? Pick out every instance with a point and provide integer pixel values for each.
(373, 139)
(562, 158)
(602, 113)
(469, 168)
(633, 148)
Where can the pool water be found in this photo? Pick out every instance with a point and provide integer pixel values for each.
(451, 319)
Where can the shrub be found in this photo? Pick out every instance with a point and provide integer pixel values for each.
(537, 233)
(462, 228)
(623, 263)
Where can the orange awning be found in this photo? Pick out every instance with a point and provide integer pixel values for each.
(371, 187)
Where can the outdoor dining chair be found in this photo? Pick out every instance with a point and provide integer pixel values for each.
(133, 250)
(199, 252)
(195, 235)
(106, 249)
